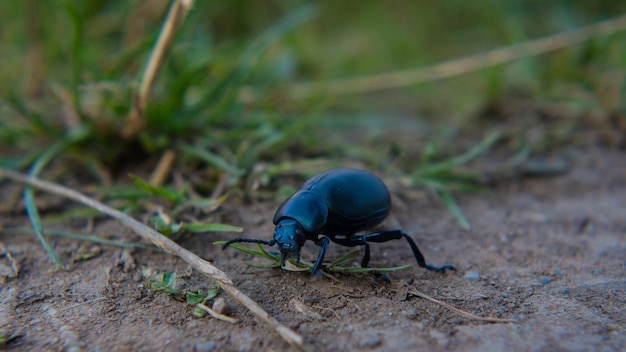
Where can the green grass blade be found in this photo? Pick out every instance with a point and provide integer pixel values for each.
(211, 159)
(122, 193)
(454, 209)
(82, 237)
(466, 157)
(35, 119)
(211, 227)
(353, 270)
(202, 203)
(35, 220)
(172, 197)
(338, 266)
(263, 42)
(18, 162)
(76, 61)
(261, 253)
(226, 93)
(74, 214)
(29, 200)
(29, 197)
(268, 266)
(346, 259)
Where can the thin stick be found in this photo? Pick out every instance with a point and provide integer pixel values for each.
(168, 245)
(178, 11)
(455, 67)
(461, 312)
(82, 303)
(216, 315)
(163, 168)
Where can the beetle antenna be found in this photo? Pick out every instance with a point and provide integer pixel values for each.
(249, 240)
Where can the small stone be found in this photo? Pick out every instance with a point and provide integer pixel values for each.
(310, 299)
(472, 276)
(545, 280)
(220, 305)
(557, 272)
(205, 346)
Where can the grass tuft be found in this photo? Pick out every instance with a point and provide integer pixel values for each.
(339, 265)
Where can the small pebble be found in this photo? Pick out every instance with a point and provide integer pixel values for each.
(472, 276)
(557, 272)
(310, 299)
(205, 346)
(545, 280)
(220, 305)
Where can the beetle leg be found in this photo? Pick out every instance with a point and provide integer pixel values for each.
(323, 243)
(366, 257)
(366, 261)
(353, 242)
(385, 236)
(360, 241)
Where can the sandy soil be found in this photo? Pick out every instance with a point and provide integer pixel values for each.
(549, 252)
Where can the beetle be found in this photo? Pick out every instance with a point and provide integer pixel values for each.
(333, 206)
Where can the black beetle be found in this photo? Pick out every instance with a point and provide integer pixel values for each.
(337, 204)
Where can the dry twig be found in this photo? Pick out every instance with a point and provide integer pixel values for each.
(165, 243)
(216, 315)
(175, 16)
(455, 67)
(461, 312)
(163, 168)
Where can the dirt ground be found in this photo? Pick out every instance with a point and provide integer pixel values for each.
(548, 252)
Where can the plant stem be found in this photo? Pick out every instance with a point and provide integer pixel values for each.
(136, 119)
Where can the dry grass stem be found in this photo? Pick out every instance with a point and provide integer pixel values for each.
(83, 303)
(216, 315)
(304, 309)
(178, 11)
(163, 168)
(397, 79)
(70, 116)
(165, 243)
(461, 312)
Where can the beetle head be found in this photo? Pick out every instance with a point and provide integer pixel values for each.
(290, 237)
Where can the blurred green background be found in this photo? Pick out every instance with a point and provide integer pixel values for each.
(69, 70)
